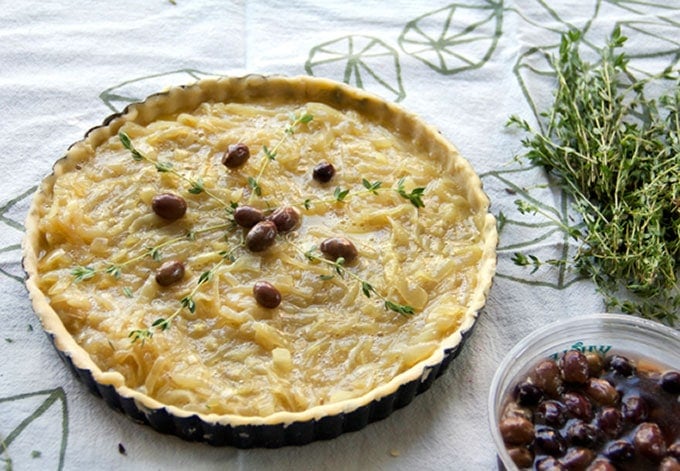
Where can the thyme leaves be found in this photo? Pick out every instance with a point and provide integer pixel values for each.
(415, 196)
(616, 154)
(270, 155)
(115, 269)
(338, 268)
(187, 302)
(341, 195)
(196, 186)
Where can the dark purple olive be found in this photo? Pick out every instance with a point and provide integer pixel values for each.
(669, 464)
(670, 382)
(620, 451)
(577, 458)
(516, 431)
(649, 441)
(549, 440)
(578, 405)
(170, 272)
(547, 376)
(521, 456)
(610, 421)
(575, 368)
(286, 218)
(337, 247)
(236, 155)
(247, 216)
(528, 394)
(261, 236)
(266, 294)
(169, 206)
(601, 464)
(323, 172)
(635, 409)
(580, 433)
(549, 463)
(621, 365)
(552, 413)
(674, 450)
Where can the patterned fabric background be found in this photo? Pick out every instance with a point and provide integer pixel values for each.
(464, 66)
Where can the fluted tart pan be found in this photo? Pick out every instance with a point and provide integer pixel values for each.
(162, 312)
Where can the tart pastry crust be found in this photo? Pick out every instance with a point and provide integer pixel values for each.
(329, 358)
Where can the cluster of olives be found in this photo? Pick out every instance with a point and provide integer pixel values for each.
(262, 232)
(262, 229)
(587, 412)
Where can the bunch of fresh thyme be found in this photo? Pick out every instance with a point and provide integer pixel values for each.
(616, 153)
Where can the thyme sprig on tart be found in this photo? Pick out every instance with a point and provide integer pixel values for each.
(340, 195)
(114, 269)
(187, 302)
(335, 248)
(196, 185)
(270, 154)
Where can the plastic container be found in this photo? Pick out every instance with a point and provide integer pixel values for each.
(605, 333)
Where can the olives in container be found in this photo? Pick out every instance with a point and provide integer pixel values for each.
(592, 392)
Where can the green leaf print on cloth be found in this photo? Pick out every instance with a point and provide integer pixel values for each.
(363, 61)
(11, 224)
(119, 96)
(447, 44)
(34, 430)
(539, 219)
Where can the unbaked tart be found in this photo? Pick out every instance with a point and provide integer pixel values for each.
(260, 261)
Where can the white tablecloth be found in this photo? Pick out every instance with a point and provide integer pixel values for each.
(463, 66)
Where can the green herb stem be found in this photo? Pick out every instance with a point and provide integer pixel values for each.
(81, 273)
(196, 186)
(616, 154)
(270, 154)
(187, 302)
(341, 195)
(366, 287)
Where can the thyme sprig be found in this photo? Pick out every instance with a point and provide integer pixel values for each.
(525, 207)
(340, 195)
(85, 272)
(196, 186)
(338, 268)
(415, 196)
(271, 154)
(187, 302)
(616, 153)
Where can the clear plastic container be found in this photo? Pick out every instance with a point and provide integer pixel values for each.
(605, 333)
